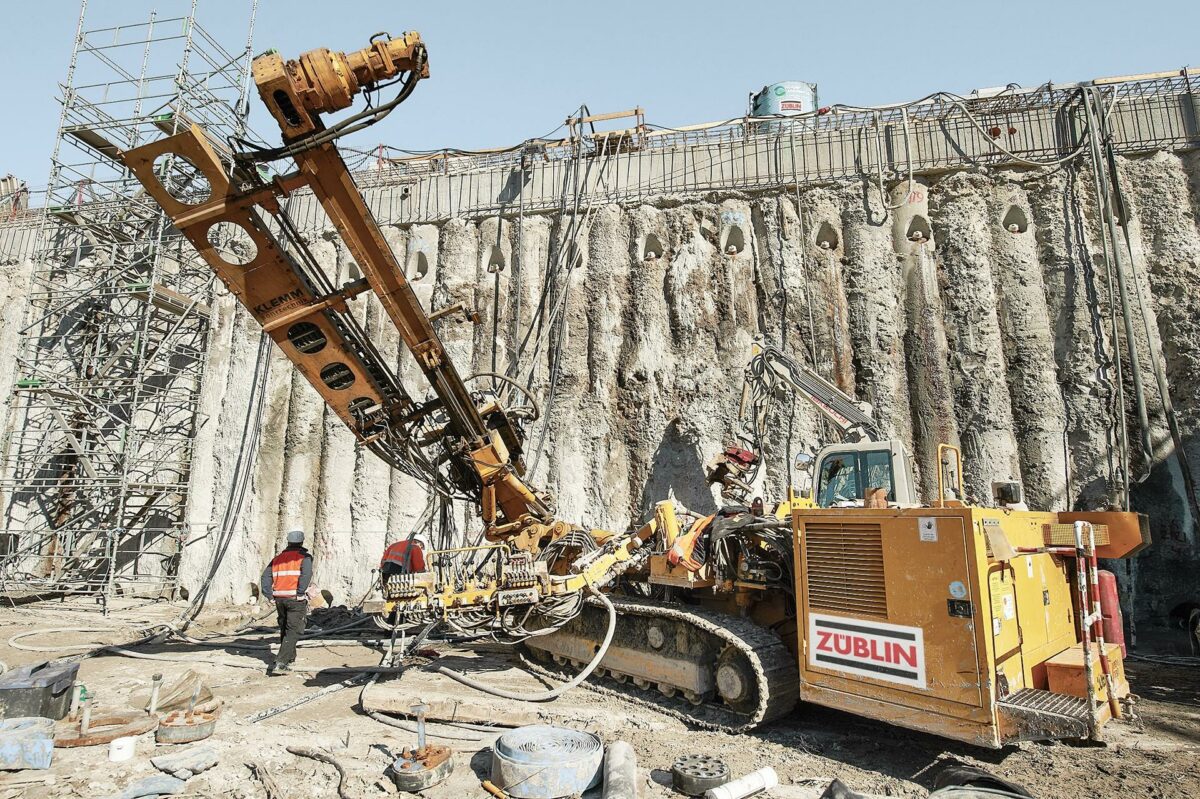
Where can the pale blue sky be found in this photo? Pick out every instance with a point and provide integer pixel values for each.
(506, 71)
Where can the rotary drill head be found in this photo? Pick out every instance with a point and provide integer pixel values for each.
(322, 81)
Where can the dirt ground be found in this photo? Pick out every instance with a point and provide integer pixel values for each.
(1152, 756)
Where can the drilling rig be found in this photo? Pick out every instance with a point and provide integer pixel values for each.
(726, 619)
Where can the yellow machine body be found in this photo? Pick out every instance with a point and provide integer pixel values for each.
(909, 617)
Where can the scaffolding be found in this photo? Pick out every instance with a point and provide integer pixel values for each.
(105, 406)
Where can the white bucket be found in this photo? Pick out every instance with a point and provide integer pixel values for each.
(121, 749)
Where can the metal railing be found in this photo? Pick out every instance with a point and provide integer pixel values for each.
(941, 132)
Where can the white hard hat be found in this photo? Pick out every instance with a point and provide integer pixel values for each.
(295, 536)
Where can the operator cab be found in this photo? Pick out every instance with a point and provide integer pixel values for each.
(845, 475)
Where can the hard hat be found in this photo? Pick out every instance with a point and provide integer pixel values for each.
(295, 536)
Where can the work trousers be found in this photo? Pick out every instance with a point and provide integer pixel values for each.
(292, 614)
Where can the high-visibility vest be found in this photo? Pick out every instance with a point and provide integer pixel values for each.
(285, 573)
(410, 559)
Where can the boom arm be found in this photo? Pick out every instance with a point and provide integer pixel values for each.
(773, 367)
(296, 94)
(461, 442)
(769, 373)
(309, 319)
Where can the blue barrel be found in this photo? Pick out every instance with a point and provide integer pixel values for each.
(786, 98)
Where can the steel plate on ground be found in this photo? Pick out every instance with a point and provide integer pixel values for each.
(694, 774)
(543, 762)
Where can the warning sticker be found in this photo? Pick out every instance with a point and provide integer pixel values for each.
(927, 526)
(867, 649)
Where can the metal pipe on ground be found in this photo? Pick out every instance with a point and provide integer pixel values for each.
(620, 772)
(491, 788)
(763, 779)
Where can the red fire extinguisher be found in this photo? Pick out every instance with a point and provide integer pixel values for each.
(1110, 608)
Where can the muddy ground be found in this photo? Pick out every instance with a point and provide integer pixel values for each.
(1153, 756)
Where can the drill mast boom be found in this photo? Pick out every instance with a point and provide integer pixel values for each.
(463, 442)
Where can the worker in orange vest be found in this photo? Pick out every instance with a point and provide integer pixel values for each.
(404, 556)
(286, 580)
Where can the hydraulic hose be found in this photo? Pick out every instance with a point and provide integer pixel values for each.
(93, 649)
(13, 640)
(553, 693)
(537, 409)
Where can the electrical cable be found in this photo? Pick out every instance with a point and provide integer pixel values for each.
(14, 639)
(1112, 260)
(442, 151)
(1119, 206)
(1121, 424)
(556, 323)
(389, 658)
(158, 632)
(569, 244)
(400, 725)
(1166, 660)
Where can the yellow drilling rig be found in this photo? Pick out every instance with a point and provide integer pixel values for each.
(977, 623)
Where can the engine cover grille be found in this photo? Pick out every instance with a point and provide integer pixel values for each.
(845, 568)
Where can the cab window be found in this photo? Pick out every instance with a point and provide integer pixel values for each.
(845, 476)
(878, 465)
(838, 480)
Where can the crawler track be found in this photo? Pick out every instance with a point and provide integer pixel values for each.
(776, 680)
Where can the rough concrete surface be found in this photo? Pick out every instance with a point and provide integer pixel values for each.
(992, 332)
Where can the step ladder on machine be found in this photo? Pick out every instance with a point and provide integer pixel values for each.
(1091, 629)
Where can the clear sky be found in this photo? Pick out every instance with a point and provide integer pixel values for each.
(502, 72)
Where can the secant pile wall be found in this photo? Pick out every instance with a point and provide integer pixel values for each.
(14, 289)
(991, 329)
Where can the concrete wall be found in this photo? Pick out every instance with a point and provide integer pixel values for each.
(942, 132)
(999, 341)
(994, 339)
(16, 243)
